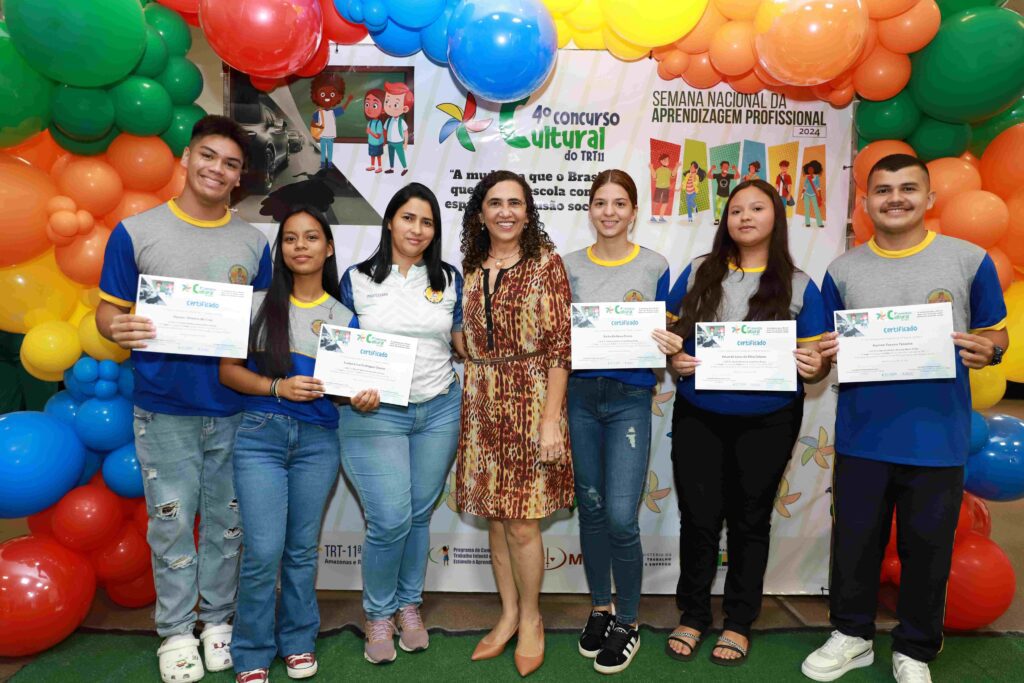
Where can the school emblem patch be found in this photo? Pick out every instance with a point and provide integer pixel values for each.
(315, 326)
(938, 296)
(433, 296)
(633, 295)
(238, 275)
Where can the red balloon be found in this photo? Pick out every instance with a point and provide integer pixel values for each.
(45, 592)
(318, 62)
(124, 558)
(87, 518)
(189, 6)
(136, 593)
(41, 523)
(190, 19)
(266, 38)
(980, 516)
(981, 583)
(141, 518)
(267, 84)
(891, 569)
(337, 29)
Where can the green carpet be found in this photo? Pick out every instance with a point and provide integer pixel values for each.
(776, 656)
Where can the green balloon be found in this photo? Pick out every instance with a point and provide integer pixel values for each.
(950, 7)
(84, 148)
(25, 96)
(79, 42)
(179, 133)
(984, 132)
(154, 59)
(84, 114)
(892, 119)
(862, 142)
(171, 27)
(933, 139)
(182, 80)
(972, 69)
(141, 106)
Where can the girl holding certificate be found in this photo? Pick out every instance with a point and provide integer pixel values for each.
(610, 424)
(286, 450)
(730, 448)
(397, 457)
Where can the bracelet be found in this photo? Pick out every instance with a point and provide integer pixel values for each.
(273, 387)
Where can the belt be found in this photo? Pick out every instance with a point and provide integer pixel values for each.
(505, 359)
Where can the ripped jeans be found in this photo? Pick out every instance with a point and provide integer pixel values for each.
(610, 430)
(186, 471)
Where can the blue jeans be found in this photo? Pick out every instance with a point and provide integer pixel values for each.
(186, 470)
(397, 459)
(610, 430)
(284, 472)
(326, 152)
(691, 204)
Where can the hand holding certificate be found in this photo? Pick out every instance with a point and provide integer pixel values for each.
(897, 343)
(349, 361)
(746, 356)
(617, 335)
(195, 317)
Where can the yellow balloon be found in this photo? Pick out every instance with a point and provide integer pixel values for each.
(81, 310)
(652, 22)
(36, 372)
(564, 32)
(623, 49)
(52, 346)
(1013, 360)
(90, 298)
(33, 292)
(586, 16)
(95, 344)
(987, 387)
(588, 40)
(561, 6)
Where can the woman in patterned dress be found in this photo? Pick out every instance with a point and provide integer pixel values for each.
(513, 464)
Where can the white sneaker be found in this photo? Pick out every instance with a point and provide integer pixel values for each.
(909, 670)
(839, 654)
(216, 646)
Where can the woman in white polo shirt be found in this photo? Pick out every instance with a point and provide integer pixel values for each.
(398, 457)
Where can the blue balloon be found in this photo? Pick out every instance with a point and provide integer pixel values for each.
(86, 369)
(502, 50)
(355, 11)
(104, 425)
(109, 370)
(93, 462)
(434, 38)
(73, 386)
(414, 14)
(41, 459)
(996, 472)
(62, 406)
(375, 15)
(979, 431)
(342, 8)
(106, 389)
(122, 473)
(126, 380)
(396, 41)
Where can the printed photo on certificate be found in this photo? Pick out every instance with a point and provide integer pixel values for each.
(349, 360)
(746, 356)
(195, 317)
(896, 343)
(616, 335)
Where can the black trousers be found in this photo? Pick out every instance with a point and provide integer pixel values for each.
(927, 504)
(727, 467)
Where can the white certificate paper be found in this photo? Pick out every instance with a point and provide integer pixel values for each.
(195, 317)
(616, 335)
(746, 356)
(349, 361)
(896, 343)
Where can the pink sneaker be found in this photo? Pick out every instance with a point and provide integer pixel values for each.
(414, 633)
(380, 643)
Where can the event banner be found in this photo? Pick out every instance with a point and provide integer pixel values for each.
(353, 135)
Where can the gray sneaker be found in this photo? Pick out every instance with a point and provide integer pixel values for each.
(414, 634)
(380, 643)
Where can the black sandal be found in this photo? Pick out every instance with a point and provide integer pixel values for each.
(727, 643)
(684, 637)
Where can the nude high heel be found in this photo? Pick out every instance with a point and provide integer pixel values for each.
(527, 664)
(485, 650)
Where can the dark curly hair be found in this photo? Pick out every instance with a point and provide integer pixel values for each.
(332, 79)
(476, 241)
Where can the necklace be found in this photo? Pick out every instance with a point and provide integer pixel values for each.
(499, 262)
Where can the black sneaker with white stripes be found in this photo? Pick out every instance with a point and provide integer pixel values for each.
(618, 650)
(599, 625)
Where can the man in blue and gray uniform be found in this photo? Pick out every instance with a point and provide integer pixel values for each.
(902, 444)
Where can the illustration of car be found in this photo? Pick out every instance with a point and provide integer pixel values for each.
(270, 142)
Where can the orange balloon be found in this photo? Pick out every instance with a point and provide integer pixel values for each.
(949, 177)
(841, 97)
(1002, 163)
(732, 48)
(933, 223)
(664, 73)
(971, 159)
(131, 203)
(24, 193)
(912, 30)
(699, 39)
(1003, 267)
(659, 53)
(82, 260)
(175, 185)
(766, 77)
(976, 216)
(883, 9)
(144, 163)
(40, 150)
(863, 228)
(882, 75)
(870, 41)
(92, 183)
(747, 83)
(701, 73)
(738, 10)
(1013, 241)
(871, 154)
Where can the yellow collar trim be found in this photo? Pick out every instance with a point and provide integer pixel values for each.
(177, 211)
(309, 304)
(733, 266)
(601, 262)
(902, 253)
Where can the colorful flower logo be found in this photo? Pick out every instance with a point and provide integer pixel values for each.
(819, 450)
(652, 494)
(658, 400)
(784, 498)
(461, 122)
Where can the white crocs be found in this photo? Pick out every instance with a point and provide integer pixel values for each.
(216, 646)
(179, 659)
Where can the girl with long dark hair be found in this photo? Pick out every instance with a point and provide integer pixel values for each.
(730, 448)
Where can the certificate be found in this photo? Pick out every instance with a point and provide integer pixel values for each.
(349, 361)
(195, 317)
(896, 343)
(616, 335)
(746, 356)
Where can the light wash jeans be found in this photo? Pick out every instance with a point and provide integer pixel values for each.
(284, 472)
(397, 459)
(186, 470)
(610, 430)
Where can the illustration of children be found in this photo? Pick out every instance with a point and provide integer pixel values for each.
(691, 186)
(397, 101)
(784, 184)
(723, 181)
(753, 171)
(444, 555)
(810, 192)
(326, 91)
(373, 108)
(664, 178)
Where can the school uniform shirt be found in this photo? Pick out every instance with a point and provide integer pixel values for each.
(304, 321)
(641, 276)
(916, 422)
(410, 307)
(738, 286)
(167, 241)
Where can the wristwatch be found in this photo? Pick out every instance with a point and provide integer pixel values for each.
(997, 355)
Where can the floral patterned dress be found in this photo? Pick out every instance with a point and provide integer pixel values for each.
(513, 335)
